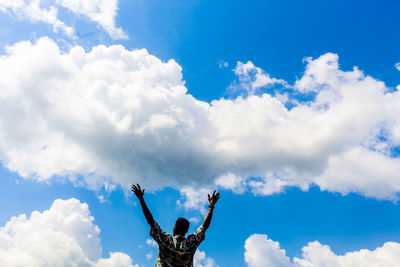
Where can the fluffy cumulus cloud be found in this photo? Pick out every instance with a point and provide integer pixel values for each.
(261, 251)
(110, 114)
(201, 260)
(106, 113)
(102, 12)
(315, 254)
(232, 182)
(63, 235)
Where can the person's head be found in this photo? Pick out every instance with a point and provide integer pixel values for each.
(181, 226)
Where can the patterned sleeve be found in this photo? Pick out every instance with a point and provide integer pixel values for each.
(197, 237)
(158, 234)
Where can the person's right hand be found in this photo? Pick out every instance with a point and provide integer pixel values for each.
(138, 191)
(214, 198)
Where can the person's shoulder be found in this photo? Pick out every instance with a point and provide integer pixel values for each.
(197, 235)
(159, 235)
(155, 227)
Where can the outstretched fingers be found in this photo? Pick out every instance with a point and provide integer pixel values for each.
(137, 190)
(140, 189)
(134, 188)
(214, 197)
(215, 194)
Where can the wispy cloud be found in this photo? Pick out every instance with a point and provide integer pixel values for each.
(102, 12)
(251, 78)
(222, 64)
(397, 65)
(31, 10)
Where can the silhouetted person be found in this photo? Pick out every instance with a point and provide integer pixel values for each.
(177, 250)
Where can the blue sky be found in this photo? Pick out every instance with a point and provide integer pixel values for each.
(260, 101)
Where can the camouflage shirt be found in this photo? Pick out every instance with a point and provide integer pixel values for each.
(178, 250)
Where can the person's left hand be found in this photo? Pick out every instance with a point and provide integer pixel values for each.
(138, 191)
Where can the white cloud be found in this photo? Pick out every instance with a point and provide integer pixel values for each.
(149, 256)
(119, 116)
(102, 12)
(116, 259)
(252, 78)
(267, 185)
(261, 251)
(372, 173)
(222, 64)
(315, 254)
(194, 198)
(63, 235)
(232, 182)
(71, 113)
(323, 73)
(201, 260)
(31, 10)
(397, 65)
(194, 219)
(151, 242)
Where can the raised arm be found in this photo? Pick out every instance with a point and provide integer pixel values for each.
(139, 193)
(212, 200)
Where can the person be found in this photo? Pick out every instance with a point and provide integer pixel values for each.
(176, 250)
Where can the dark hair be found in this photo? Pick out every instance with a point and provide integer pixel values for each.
(181, 226)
